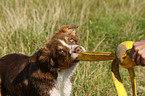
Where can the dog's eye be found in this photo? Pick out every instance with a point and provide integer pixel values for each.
(61, 50)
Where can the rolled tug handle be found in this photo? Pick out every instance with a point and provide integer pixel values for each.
(118, 82)
(122, 58)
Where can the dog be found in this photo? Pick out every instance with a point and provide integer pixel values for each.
(48, 72)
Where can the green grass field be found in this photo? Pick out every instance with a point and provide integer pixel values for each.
(25, 25)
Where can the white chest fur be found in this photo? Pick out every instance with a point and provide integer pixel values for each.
(63, 86)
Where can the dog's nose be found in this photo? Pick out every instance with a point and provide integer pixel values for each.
(78, 49)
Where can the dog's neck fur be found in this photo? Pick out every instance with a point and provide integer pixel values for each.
(63, 85)
(61, 81)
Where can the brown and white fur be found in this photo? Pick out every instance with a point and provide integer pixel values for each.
(47, 72)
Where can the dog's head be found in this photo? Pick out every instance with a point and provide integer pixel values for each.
(61, 51)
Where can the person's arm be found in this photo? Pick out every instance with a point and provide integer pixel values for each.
(137, 53)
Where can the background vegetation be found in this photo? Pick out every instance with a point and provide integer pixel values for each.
(25, 25)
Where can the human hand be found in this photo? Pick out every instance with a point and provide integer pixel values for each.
(137, 53)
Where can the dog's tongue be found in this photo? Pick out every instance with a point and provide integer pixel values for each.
(95, 56)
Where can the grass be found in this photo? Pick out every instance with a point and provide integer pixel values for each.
(25, 25)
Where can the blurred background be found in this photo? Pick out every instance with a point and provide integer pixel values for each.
(25, 25)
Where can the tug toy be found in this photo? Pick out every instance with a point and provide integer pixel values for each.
(121, 57)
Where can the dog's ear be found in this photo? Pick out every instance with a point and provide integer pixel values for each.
(44, 58)
(35, 56)
(68, 29)
(42, 54)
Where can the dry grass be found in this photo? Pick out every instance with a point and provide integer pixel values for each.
(27, 24)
